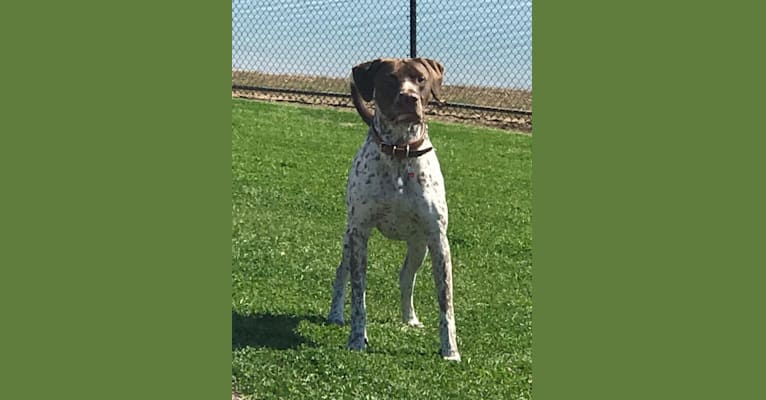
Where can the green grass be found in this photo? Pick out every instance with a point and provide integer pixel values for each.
(289, 167)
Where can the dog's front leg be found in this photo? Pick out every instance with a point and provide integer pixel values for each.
(358, 263)
(442, 270)
(339, 287)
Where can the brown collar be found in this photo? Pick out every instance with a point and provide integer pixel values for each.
(408, 150)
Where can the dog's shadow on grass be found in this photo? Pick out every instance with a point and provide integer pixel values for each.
(271, 331)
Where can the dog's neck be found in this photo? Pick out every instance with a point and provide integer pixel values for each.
(398, 133)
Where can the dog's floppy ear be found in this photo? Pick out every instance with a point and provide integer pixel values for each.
(363, 77)
(363, 87)
(436, 72)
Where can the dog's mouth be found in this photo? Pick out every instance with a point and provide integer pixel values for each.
(408, 117)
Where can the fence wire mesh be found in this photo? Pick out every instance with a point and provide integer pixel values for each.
(303, 51)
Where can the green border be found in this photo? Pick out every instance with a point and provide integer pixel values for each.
(648, 200)
(647, 184)
(116, 213)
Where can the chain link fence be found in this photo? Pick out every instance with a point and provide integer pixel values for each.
(303, 51)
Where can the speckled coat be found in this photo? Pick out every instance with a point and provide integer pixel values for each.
(405, 200)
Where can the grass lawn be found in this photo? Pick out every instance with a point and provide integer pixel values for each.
(289, 167)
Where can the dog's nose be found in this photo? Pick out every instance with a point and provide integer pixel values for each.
(407, 98)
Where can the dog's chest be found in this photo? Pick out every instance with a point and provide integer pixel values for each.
(388, 179)
(396, 195)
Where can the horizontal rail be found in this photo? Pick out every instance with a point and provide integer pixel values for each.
(286, 90)
(334, 94)
(484, 108)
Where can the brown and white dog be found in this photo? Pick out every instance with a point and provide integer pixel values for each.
(395, 185)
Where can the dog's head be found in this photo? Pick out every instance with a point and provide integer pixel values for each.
(401, 88)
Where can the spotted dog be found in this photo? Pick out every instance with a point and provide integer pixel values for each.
(395, 185)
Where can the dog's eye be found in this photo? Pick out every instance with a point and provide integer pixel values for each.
(421, 79)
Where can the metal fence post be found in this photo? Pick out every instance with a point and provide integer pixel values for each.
(413, 29)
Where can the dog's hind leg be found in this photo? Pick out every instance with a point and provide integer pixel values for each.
(416, 253)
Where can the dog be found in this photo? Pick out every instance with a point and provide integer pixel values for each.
(395, 184)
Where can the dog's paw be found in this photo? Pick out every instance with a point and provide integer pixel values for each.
(414, 323)
(357, 342)
(451, 356)
(336, 317)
